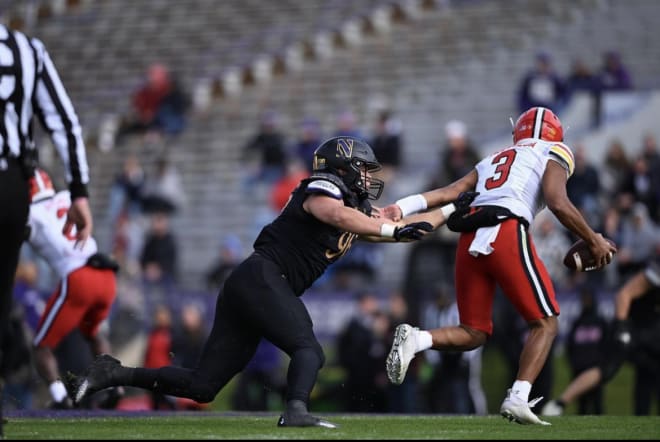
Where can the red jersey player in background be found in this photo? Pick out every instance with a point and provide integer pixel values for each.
(86, 289)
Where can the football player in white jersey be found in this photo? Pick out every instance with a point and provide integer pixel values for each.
(495, 247)
(87, 286)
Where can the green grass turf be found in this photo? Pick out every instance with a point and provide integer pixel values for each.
(228, 426)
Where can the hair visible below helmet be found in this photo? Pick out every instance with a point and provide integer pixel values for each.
(350, 159)
(41, 186)
(538, 122)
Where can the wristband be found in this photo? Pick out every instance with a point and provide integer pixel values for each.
(411, 204)
(387, 230)
(448, 210)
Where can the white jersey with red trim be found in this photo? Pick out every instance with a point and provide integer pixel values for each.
(512, 177)
(46, 221)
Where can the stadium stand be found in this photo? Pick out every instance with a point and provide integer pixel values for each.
(430, 61)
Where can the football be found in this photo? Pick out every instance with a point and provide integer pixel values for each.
(579, 257)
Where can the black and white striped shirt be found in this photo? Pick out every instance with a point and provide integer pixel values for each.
(30, 86)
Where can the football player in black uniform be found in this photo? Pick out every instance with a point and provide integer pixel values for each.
(260, 299)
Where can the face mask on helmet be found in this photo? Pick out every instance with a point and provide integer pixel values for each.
(353, 161)
(41, 186)
(538, 122)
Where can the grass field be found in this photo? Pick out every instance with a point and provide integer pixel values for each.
(263, 426)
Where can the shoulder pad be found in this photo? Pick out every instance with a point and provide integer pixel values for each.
(325, 187)
(564, 154)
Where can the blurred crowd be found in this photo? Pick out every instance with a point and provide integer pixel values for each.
(544, 86)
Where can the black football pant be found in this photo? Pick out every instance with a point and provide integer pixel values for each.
(14, 201)
(256, 303)
(14, 204)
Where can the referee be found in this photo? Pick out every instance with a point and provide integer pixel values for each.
(29, 86)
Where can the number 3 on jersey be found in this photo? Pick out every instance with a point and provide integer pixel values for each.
(504, 160)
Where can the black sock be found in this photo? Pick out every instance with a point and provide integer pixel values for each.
(140, 377)
(561, 403)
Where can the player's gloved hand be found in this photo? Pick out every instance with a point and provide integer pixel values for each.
(412, 231)
(622, 335)
(465, 199)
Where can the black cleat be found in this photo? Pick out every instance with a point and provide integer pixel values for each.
(302, 420)
(98, 377)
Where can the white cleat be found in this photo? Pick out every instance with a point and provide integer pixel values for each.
(402, 352)
(516, 410)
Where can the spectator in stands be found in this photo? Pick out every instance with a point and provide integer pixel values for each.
(268, 145)
(361, 350)
(650, 150)
(541, 86)
(584, 186)
(586, 346)
(639, 238)
(309, 138)
(172, 112)
(387, 144)
(639, 184)
(158, 106)
(125, 213)
(611, 229)
(163, 192)
(614, 75)
(651, 154)
(346, 125)
(294, 173)
(159, 263)
(126, 190)
(188, 338)
(458, 156)
(159, 352)
(551, 242)
(582, 80)
(231, 254)
(615, 169)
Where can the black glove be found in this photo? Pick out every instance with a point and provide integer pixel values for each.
(465, 199)
(412, 231)
(621, 333)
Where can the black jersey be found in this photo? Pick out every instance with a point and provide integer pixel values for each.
(301, 245)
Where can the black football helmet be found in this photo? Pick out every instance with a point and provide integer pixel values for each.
(350, 159)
